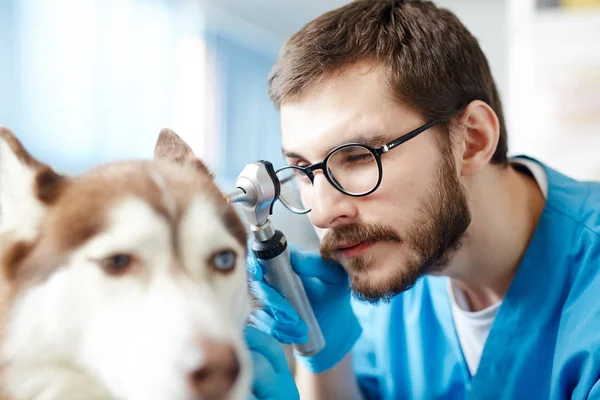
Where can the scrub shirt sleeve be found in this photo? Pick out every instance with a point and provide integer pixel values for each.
(595, 392)
(363, 354)
(577, 357)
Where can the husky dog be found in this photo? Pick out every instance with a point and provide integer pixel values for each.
(127, 282)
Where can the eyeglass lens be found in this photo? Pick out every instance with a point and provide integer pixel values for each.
(352, 169)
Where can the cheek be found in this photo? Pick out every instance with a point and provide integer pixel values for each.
(400, 195)
(46, 319)
(232, 293)
(224, 293)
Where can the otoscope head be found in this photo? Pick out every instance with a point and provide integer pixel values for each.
(257, 190)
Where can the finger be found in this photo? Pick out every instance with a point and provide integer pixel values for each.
(289, 334)
(277, 305)
(255, 270)
(311, 265)
(266, 345)
(265, 377)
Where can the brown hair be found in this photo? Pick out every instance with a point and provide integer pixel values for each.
(434, 64)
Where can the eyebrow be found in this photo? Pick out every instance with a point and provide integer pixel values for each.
(370, 140)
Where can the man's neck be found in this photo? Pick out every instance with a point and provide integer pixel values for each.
(506, 206)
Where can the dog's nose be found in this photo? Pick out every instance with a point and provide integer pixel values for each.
(218, 372)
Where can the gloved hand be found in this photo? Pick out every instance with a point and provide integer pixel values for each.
(272, 377)
(328, 290)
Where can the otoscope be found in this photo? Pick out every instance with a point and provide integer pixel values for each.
(257, 190)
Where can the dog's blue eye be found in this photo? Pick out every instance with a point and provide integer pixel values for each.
(224, 261)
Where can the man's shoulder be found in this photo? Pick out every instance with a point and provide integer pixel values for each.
(572, 222)
(574, 207)
(575, 200)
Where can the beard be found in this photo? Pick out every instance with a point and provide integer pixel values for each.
(436, 233)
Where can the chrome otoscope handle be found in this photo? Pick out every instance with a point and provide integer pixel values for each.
(257, 190)
(272, 253)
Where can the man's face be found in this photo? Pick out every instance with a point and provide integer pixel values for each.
(416, 218)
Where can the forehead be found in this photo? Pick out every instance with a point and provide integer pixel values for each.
(356, 101)
(168, 189)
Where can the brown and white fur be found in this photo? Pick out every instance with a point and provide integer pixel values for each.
(120, 283)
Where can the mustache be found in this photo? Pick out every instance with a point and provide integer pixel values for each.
(356, 233)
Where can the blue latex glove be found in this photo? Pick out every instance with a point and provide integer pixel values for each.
(328, 290)
(272, 377)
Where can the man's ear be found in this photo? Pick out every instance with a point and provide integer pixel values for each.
(170, 147)
(479, 130)
(27, 188)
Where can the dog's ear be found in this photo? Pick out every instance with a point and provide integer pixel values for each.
(27, 188)
(171, 147)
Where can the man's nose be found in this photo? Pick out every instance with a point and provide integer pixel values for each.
(216, 372)
(330, 207)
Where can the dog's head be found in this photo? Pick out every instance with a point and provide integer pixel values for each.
(132, 274)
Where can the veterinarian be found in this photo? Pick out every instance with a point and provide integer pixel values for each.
(474, 275)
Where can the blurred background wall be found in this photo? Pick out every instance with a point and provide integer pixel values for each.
(89, 81)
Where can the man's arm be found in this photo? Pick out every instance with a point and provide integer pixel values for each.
(338, 382)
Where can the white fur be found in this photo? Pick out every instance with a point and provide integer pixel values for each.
(20, 210)
(86, 334)
(166, 196)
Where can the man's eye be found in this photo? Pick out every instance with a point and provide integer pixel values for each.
(298, 163)
(360, 157)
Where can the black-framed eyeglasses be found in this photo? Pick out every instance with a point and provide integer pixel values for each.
(352, 168)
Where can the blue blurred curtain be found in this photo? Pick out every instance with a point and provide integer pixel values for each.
(88, 81)
(251, 126)
(8, 52)
(249, 121)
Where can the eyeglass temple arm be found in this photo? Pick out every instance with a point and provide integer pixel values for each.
(286, 179)
(309, 170)
(405, 138)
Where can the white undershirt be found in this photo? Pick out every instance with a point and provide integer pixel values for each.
(473, 328)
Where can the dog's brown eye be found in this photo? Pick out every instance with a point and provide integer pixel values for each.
(224, 261)
(117, 264)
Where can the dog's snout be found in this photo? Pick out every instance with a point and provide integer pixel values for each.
(219, 370)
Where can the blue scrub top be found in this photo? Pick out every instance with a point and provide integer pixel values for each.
(544, 342)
